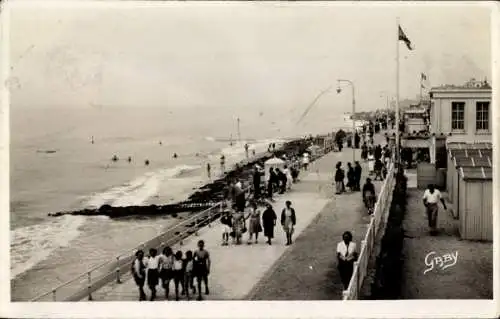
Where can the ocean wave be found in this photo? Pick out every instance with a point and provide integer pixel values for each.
(139, 190)
(32, 244)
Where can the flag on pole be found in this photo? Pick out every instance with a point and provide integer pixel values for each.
(424, 77)
(404, 38)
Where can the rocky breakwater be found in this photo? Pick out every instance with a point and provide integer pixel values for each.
(206, 196)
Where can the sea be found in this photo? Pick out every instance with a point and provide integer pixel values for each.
(54, 166)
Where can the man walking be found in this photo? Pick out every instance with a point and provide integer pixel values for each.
(431, 198)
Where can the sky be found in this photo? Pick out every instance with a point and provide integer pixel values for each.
(238, 55)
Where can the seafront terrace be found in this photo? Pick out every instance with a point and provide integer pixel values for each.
(260, 271)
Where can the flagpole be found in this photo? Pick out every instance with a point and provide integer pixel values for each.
(421, 81)
(397, 91)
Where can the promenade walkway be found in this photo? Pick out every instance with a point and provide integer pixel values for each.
(472, 275)
(237, 269)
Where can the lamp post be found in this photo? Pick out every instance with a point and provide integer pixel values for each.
(353, 111)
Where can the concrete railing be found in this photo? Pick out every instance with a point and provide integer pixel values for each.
(116, 269)
(368, 243)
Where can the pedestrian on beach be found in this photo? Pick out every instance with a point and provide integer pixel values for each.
(238, 226)
(282, 180)
(188, 282)
(357, 175)
(202, 267)
(139, 273)
(339, 178)
(431, 198)
(166, 269)
(269, 222)
(153, 266)
(346, 256)
(209, 168)
(254, 226)
(288, 221)
(351, 178)
(222, 164)
(369, 195)
(226, 222)
(178, 273)
(246, 150)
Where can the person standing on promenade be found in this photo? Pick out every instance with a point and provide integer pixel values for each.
(166, 269)
(351, 177)
(246, 150)
(269, 222)
(153, 266)
(238, 225)
(288, 221)
(431, 198)
(346, 256)
(202, 267)
(178, 273)
(305, 161)
(254, 226)
(139, 273)
(188, 274)
(357, 175)
(369, 195)
(270, 183)
(226, 224)
(364, 151)
(339, 179)
(289, 178)
(371, 162)
(256, 182)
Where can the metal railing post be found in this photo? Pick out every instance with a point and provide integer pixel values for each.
(118, 281)
(89, 286)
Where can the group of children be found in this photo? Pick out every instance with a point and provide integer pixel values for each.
(167, 267)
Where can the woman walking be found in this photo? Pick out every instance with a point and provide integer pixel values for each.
(139, 273)
(339, 179)
(288, 220)
(351, 178)
(254, 227)
(153, 271)
(188, 281)
(166, 269)
(346, 256)
(269, 222)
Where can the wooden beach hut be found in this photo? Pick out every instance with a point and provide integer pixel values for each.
(475, 203)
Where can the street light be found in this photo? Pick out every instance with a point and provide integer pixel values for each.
(353, 111)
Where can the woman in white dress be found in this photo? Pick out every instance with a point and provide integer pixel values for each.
(371, 162)
(289, 178)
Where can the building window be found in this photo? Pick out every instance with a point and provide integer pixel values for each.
(458, 116)
(482, 116)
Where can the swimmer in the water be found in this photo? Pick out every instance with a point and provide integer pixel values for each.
(175, 155)
(146, 162)
(160, 143)
(129, 159)
(114, 158)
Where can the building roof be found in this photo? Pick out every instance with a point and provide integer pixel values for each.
(471, 84)
(462, 145)
(473, 161)
(476, 173)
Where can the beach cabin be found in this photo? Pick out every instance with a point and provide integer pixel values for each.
(475, 203)
(273, 163)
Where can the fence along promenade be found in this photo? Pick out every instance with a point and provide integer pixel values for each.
(85, 284)
(368, 243)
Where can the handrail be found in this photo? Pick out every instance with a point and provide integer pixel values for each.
(368, 242)
(121, 262)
